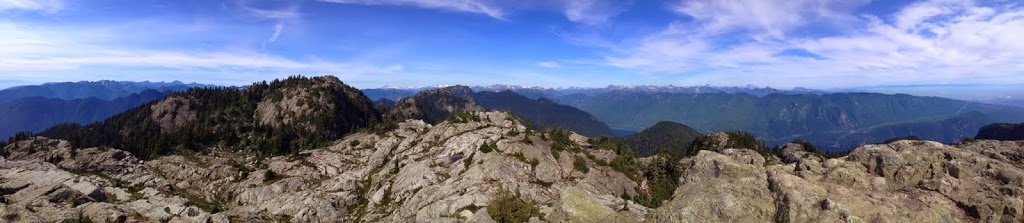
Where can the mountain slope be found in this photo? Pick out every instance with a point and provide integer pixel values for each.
(665, 135)
(35, 114)
(103, 90)
(434, 106)
(281, 117)
(1001, 131)
(781, 118)
(544, 111)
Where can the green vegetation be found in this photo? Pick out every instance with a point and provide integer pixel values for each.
(507, 207)
(462, 117)
(811, 148)
(544, 112)
(270, 177)
(603, 143)
(466, 162)
(736, 140)
(226, 118)
(488, 147)
(17, 137)
(560, 141)
(819, 118)
(580, 165)
(671, 136)
(662, 180)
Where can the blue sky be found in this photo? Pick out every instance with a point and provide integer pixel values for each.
(552, 43)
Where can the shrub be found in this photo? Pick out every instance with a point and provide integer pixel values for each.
(462, 117)
(486, 148)
(811, 148)
(509, 208)
(580, 165)
(270, 176)
(662, 179)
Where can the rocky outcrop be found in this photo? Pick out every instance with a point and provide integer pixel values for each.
(46, 181)
(172, 113)
(452, 172)
(436, 105)
(904, 181)
(416, 172)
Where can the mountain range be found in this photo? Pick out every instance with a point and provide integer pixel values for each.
(36, 113)
(280, 117)
(103, 90)
(396, 94)
(34, 108)
(835, 121)
(314, 149)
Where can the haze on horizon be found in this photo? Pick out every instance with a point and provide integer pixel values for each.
(583, 43)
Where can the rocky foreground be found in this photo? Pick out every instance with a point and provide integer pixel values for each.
(450, 173)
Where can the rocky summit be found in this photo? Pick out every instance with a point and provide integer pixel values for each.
(489, 167)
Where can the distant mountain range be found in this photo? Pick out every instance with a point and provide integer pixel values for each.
(834, 121)
(103, 90)
(837, 121)
(35, 114)
(1007, 94)
(396, 94)
(37, 107)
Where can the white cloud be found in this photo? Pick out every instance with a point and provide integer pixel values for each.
(589, 12)
(281, 16)
(471, 6)
(769, 17)
(549, 64)
(925, 42)
(45, 6)
(35, 52)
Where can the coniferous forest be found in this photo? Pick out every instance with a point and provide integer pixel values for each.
(226, 118)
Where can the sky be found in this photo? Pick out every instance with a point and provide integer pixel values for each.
(549, 43)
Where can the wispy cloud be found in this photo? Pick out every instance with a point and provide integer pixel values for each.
(589, 12)
(37, 52)
(471, 6)
(44, 6)
(926, 42)
(279, 16)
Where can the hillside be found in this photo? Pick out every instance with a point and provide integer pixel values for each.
(1001, 131)
(103, 90)
(491, 168)
(280, 117)
(35, 114)
(434, 106)
(665, 135)
(781, 118)
(437, 105)
(543, 111)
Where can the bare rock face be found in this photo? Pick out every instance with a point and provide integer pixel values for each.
(417, 172)
(325, 100)
(434, 106)
(47, 181)
(904, 181)
(172, 113)
(451, 172)
(717, 188)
